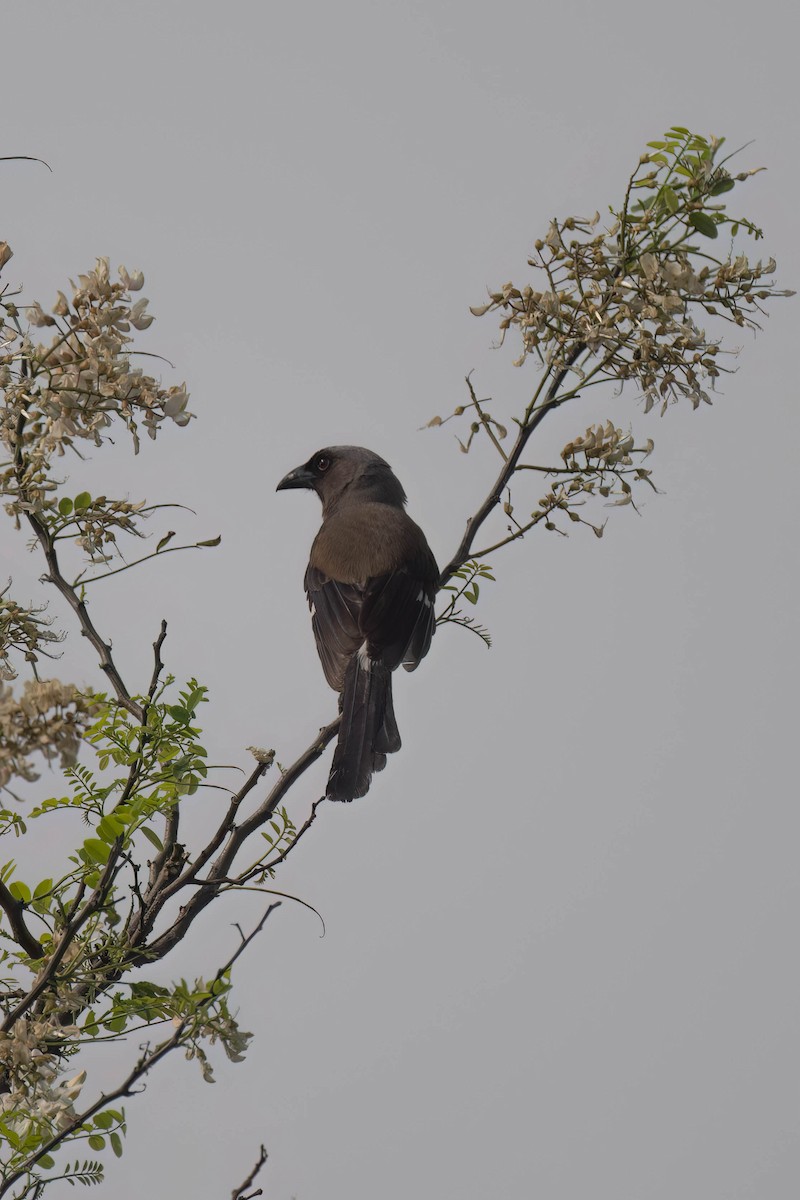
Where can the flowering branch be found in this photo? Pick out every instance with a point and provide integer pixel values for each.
(621, 305)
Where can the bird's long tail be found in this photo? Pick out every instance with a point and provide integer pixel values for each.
(368, 731)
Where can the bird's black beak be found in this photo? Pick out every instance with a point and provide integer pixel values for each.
(300, 477)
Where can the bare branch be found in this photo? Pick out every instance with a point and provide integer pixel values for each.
(238, 1193)
(158, 665)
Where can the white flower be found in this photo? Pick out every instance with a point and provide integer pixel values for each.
(132, 280)
(72, 1087)
(139, 318)
(37, 316)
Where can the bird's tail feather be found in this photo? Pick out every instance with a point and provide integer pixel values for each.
(368, 731)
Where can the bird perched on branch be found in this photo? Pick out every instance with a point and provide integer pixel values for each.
(370, 583)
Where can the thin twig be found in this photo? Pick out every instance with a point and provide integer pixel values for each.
(270, 866)
(485, 420)
(158, 664)
(138, 561)
(238, 1193)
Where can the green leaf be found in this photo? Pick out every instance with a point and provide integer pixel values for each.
(681, 129)
(722, 185)
(20, 891)
(96, 850)
(46, 1162)
(43, 889)
(82, 500)
(704, 224)
(179, 714)
(670, 199)
(116, 1143)
(166, 538)
(152, 837)
(104, 1120)
(139, 989)
(41, 896)
(65, 506)
(211, 541)
(109, 829)
(96, 1142)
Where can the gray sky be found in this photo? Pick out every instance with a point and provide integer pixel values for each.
(561, 957)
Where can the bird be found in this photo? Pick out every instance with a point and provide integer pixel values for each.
(370, 584)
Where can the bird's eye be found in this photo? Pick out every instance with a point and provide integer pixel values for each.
(322, 463)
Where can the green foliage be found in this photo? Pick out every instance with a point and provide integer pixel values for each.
(467, 589)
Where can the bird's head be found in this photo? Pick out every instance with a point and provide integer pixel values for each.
(351, 471)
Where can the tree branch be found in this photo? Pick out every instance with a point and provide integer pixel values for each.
(238, 1193)
(533, 419)
(236, 836)
(22, 935)
(145, 1064)
(88, 629)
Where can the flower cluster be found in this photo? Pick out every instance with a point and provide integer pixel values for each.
(626, 303)
(599, 463)
(34, 1099)
(211, 1027)
(48, 718)
(77, 384)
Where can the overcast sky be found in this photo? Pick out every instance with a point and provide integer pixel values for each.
(561, 952)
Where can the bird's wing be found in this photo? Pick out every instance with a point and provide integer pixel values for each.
(392, 612)
(424, 628)
(336, 621)
(398, 617)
